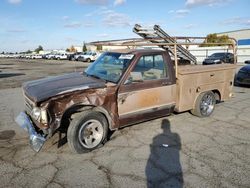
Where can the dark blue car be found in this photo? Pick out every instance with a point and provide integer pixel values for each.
(218, 58)
(243, 76)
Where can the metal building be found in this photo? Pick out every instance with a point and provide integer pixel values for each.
(242, 36)
(243, 39)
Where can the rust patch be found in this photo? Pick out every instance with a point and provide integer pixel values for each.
(102, 97)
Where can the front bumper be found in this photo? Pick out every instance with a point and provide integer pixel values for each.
(36, 140)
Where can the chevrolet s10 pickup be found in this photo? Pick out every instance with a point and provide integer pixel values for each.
(124, 87)
(119, 89)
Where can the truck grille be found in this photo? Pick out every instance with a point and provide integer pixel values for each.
(29, 105)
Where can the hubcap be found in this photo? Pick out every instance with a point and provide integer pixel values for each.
(91, 133)
(207, 104)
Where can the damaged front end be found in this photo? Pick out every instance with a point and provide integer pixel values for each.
(50, 101)
(36, 140)
(34, 120)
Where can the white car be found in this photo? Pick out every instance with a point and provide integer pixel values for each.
(62, 56)
(50, 56)
(28, 56)
(37, 56)
(89, 56)
(79, 55)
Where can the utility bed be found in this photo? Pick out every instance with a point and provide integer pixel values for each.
(194, 79)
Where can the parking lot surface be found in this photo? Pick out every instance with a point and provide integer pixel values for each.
(180, 150)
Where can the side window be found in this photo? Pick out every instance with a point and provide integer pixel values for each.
(150, 67)
(230, 55)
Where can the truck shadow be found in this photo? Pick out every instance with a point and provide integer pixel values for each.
(163, 167)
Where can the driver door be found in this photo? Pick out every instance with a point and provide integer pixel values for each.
(148, 91)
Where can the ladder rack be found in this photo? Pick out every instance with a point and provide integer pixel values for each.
(153, 35)
(156, 37)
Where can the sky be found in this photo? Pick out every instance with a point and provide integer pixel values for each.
(59, 24)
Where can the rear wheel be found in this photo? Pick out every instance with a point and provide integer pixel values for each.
(87, 131)
(88, 60)
(204, 105)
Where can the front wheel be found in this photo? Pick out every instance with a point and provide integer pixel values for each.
(87, 131)
(204, 105)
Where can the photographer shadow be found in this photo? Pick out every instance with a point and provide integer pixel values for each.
(163, 167)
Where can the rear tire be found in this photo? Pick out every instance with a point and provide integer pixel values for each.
(87, 131)
(204, 104)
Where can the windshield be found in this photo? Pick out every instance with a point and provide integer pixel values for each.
(218, 55)
(110, 66)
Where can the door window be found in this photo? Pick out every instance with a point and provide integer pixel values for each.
(151, 67)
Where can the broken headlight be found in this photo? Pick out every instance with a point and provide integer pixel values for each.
(36, 113)
(40, 115)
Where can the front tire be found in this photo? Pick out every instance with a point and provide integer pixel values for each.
(87, 131)
(204, 104)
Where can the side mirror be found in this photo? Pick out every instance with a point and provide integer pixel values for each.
(247, 62)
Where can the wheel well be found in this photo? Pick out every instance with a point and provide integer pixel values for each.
(69, 114)
(217, 95)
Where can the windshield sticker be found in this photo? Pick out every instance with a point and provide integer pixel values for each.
(126, 56)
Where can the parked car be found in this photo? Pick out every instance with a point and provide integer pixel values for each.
(89, 56)
(71, 56)
(50, 56)
(218, 58)
(44, 56)
(78, 55)
(243, 76)
(62, 56)
(36, 56)
(28, 56)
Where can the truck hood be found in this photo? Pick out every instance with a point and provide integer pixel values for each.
(42, 89)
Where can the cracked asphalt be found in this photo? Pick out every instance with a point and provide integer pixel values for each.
(180, 150)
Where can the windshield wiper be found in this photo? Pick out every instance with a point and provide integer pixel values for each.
(92, 75)
(97, 77)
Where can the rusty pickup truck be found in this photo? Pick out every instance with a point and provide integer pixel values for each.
(119, 89)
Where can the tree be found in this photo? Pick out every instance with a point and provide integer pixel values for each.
(213, 38)
(72, 49)
(40, 48)
(28, 52)
(84, 48)
(2, 52)
(99, 47)
(67, 50)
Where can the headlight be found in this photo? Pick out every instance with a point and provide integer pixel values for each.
(40, 115)
(36, 113)
(44, 117)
